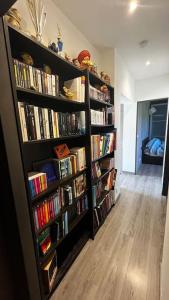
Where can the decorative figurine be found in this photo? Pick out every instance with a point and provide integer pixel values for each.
(104, 89)
(105, 77)
(27, 58)
(84, 60)
(38, 16)
(52, 46)
(68, 58)
(68, 93)
(47, 69)
(59, 42)
(76, 62)
(13, 18)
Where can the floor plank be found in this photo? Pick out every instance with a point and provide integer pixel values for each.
(123, 262)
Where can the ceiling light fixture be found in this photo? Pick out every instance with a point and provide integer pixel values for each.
(132, 6)
(148, 63)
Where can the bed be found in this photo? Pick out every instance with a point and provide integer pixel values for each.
(152, 151)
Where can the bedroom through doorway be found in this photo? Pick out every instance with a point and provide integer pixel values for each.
(150, 136)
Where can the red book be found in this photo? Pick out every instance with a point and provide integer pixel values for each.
(39, 217)
(35, 186)
(53, 211)
(38, 184)
(48, 205)
(44, 214)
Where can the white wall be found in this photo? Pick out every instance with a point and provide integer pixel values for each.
(164, 295)
(152, 88)
(124, 93)
(74, 40)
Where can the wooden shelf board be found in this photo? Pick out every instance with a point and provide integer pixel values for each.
(103, 156)
(55, 139)
(96, 103)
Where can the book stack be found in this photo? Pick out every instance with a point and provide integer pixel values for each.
(82, 205)
(98, 117)
(107, 163)
(97, 191)
(98, 95)
(29, 77)
(39, 123)
(101, 211)
(47, 210)
(77, 87)
(49, 271)
(63, 167)
(37, 183)
(96, 171)
(79, 185)
(109, 181)
(102, 144)
(44, 242)
(78, 158)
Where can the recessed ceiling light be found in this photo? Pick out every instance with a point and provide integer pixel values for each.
(132, 6)
(148, 63)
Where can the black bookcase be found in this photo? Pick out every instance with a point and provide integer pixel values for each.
(21, 154)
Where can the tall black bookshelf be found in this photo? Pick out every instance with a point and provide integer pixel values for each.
(21, 154)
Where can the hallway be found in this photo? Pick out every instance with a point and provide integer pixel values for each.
(123, 263)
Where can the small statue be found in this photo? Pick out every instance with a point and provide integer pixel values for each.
(68, 58)
(68, 93)
(59, 42)
(47, 69)
(76, 62)
(105, 77)
(27, 59)
(104, 89)
(52, 46)
(84, 60)
(13, 18)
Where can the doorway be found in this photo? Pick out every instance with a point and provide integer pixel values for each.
(150, 136)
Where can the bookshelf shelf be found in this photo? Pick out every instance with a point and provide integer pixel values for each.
(100, 225)
(54, 185)
(104, 173)
(26, 154)
(59, 139)
(32, 96)
(96, 103)
(103, 156)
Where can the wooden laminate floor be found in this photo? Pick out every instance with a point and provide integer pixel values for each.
(123, 262)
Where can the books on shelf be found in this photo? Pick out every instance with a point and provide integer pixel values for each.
(109, 180)
(37, 183)
(80, 156)
(77, 86)
(44, 241)
(97, 191)
(96, 171)
(107, 163)
(102, 117)
(39, 123)
(79, 185)
(101, 211)
(102, 144)
(49, 271)
(29, 77)
(98, 95)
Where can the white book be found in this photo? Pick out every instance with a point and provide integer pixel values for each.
(22, 109)
(21, 121)
(53, 85)
(47, 123)
(32, 85)
(54, 124)
(37, 124)
(39, 81)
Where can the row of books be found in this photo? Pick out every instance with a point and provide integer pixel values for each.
(39, 123)
(37, 183)
(99, 167)
(29, 77)
(109, 180)
(60, 227)
(98, 95)
(102, 144)
(77, 87)
(49, 272)
(99, 117)
(101, 211)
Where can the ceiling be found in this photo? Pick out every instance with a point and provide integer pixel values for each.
(108, 23)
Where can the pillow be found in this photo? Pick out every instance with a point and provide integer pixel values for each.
(150, 143)
(155, 146)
